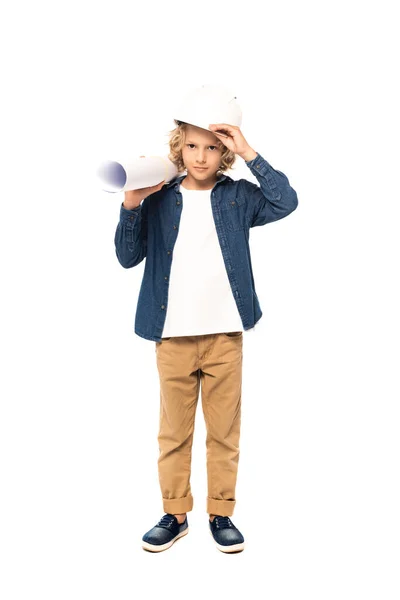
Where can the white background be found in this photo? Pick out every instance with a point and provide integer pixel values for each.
(318, 482)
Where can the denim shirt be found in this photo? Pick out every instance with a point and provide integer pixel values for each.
(150, 231)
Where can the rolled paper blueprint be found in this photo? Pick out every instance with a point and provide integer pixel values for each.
(135, 173)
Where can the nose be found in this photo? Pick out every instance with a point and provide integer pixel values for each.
(200, 157)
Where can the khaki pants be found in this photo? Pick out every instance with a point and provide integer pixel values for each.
(182, 362)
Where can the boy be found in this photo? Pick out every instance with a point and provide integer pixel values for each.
(198, 293)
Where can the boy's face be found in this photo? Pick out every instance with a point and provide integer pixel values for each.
(201, 148)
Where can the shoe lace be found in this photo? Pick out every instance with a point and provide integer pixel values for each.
(166, 521)
(223, 522)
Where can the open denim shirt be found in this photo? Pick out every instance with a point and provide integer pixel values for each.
(150, 231)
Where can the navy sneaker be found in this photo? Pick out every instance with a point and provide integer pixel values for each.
(226, 536)
(165, 533)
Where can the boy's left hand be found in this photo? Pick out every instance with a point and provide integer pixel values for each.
(235, 142)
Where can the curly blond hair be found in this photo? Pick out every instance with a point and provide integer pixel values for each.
(176, 142)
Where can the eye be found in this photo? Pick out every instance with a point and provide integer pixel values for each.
(208, 146)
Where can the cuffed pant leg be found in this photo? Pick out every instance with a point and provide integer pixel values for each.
(221, 385)
(179, 391)
(176, 506)
(224, 508)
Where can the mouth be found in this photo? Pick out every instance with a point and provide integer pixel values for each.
(201, 168)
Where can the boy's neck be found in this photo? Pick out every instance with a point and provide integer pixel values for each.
(191, 184)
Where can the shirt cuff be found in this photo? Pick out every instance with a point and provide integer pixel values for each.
(259, 165)
(129, 215)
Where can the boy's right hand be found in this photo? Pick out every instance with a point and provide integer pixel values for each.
(134, 197)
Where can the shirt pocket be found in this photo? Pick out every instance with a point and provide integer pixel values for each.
(234, 213)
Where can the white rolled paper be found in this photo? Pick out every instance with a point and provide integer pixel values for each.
(135, 173)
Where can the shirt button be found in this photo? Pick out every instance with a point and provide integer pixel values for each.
(162, 306)
(165, 277)
(131, 218)
(175, 227)
(258, 166)
(178, 203)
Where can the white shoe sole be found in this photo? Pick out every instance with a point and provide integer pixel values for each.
(233, 548)
(160, 548)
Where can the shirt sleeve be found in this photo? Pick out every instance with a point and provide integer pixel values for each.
(273, 199)
(131, 235)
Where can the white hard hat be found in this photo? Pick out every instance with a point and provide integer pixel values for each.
(209, 104)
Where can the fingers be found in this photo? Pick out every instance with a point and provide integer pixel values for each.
(223, 126)
(224, 130)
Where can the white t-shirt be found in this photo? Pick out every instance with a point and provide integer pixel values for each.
(200, 298)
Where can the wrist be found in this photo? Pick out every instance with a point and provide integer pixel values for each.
(248, 155)
(130, 206)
